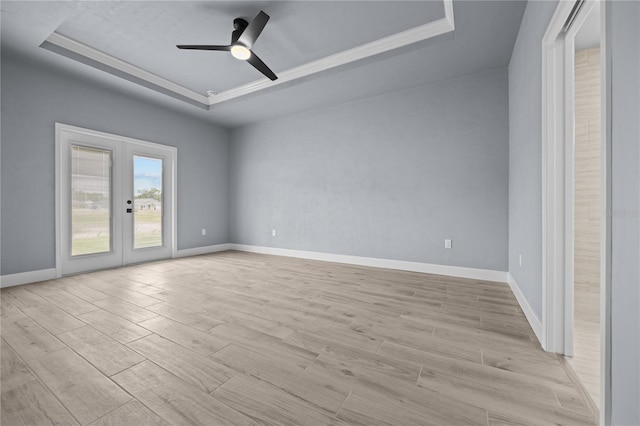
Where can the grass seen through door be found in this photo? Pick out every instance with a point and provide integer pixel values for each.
(91, 230)
(148, 228)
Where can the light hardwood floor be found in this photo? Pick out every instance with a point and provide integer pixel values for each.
(238, 338)
(586, 360)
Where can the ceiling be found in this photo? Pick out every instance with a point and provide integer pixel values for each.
(324, 52)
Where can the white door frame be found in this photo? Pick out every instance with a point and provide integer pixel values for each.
(61, 128)
(558, 192)
(110, 259)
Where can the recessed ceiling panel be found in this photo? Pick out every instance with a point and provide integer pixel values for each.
(145, 33)
(485, 32)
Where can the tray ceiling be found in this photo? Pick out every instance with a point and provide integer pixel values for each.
(297, 33)
(136, 40)
(322, 51)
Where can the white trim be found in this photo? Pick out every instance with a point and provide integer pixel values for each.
(569, 173)
(605, 197)
(395, 41)
(174, 203)
(202, 250)
(89, 52)
(27, 277)
(50, 274)
(569, 181)
(533, 319)
(553, 178)
(448, 13)
(422, 32)
(58, 203)
(428, 268)
(81, 130)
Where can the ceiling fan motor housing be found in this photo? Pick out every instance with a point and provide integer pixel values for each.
(239, 24)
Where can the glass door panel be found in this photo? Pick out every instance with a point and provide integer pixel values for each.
(147, 226)
(90, 200)
(148, 203)
(88, 184)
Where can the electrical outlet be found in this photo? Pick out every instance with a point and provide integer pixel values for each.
(204, 231)
(447, 243)
(520, 260)
(273, 232)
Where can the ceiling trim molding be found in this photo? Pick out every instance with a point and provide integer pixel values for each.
(75, 47)
(395, 41)
(88, 55)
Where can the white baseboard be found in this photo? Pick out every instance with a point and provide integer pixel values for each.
(50, 274)
(202, 250)
(27, 277)
(533, 319)
(453, 271)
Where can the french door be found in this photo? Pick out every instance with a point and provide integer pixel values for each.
(115, 200)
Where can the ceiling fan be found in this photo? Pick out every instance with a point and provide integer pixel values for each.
(242, 39)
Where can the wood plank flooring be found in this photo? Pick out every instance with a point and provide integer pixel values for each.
(237, 338)
(586, 360)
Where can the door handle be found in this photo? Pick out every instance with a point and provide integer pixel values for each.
(129, 210)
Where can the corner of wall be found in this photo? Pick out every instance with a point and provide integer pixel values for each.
(529, 313)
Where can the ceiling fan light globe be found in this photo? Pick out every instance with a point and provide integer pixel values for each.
(240, 52)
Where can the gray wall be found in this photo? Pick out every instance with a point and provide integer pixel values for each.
(625, 199)
(387, 177)
(33, 99)
(525, 152)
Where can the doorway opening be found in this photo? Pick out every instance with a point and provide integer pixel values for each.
(115, 200)
(587, 204)
(576, 195)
